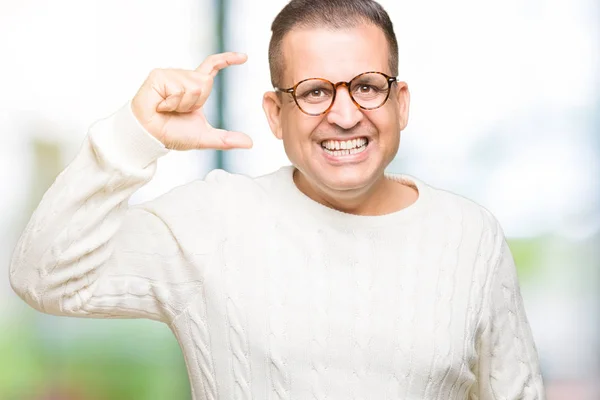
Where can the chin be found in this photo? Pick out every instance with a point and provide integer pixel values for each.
(344, 179)
(325, 174)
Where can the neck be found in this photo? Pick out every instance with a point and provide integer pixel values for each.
(381, 197)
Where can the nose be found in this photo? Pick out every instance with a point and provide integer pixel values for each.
(344, 113)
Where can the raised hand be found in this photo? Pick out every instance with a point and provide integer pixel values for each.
(169, 105)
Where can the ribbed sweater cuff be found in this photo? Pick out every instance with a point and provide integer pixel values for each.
(123, 138)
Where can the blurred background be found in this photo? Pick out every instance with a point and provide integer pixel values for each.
(505, 110)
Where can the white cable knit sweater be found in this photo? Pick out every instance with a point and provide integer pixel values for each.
(274, 296)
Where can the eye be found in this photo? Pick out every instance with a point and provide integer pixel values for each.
(366, 89)
(313, 94)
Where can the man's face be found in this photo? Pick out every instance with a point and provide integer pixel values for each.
(337, 55)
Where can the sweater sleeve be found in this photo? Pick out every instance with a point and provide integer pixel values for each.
(508, 366)
(86, 253)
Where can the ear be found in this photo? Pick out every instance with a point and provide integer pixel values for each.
(272, 108)
(402, 100)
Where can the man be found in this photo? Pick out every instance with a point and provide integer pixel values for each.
(325, 279)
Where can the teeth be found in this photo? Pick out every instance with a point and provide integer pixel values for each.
(337, 149)
(335, 145)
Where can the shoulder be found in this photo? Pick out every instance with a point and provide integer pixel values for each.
(473, 229)
(473, 218)
(218, 190)
(207, 209)
(237, 187)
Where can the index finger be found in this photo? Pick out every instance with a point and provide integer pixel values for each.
(216, 62)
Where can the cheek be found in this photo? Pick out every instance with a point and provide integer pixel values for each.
(387, 124)
(298, 127)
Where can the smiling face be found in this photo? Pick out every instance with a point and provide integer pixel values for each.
(373, 136)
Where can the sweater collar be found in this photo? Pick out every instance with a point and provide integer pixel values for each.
(293, 197)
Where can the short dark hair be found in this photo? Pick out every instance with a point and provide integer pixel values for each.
(334, 14)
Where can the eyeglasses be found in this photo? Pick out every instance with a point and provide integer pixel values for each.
(315, 96)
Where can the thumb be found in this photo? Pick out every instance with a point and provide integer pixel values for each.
(233, 139)
(222, 139)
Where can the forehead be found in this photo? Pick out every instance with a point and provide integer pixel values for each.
(334, 54)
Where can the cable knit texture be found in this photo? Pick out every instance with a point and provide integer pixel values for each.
(274, 296)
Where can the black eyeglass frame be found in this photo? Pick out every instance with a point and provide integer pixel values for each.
(292, 91)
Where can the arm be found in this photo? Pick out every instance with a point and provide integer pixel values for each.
(86, 253)
(508, 365)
